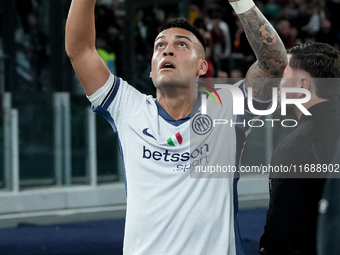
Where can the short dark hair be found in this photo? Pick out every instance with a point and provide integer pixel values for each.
(184, 24)
(320, 60)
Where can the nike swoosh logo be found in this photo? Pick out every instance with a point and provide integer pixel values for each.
(145, 132)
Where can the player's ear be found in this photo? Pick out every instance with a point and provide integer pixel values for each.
(203, 68)
(305, 83)
(150, 74)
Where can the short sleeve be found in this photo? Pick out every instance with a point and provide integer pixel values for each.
(117, 101)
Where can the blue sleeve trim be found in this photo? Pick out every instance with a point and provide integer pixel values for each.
(112, 94)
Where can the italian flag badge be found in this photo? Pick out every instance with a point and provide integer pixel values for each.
(176, 140)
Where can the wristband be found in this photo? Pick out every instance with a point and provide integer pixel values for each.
(242, 6)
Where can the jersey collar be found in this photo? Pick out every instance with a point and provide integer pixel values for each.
(172, 121)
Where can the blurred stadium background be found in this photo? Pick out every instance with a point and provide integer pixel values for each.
(59, 163)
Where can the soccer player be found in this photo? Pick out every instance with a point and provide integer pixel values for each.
(163, 139)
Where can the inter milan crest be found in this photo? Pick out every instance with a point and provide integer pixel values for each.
(202, 124)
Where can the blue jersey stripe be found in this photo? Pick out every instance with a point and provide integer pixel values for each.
(238, 240)
(100, 110)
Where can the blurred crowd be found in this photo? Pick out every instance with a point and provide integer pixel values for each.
(31, 37)
(228, 51)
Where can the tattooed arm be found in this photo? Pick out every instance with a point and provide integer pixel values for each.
(270, 54)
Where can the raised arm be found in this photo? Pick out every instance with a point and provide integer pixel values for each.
(269, 50)
(80, 46)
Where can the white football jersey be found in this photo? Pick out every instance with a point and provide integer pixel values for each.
(171, 208)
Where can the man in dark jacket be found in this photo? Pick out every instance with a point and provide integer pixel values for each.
(308, 151)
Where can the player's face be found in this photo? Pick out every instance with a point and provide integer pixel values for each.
(175, 59)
